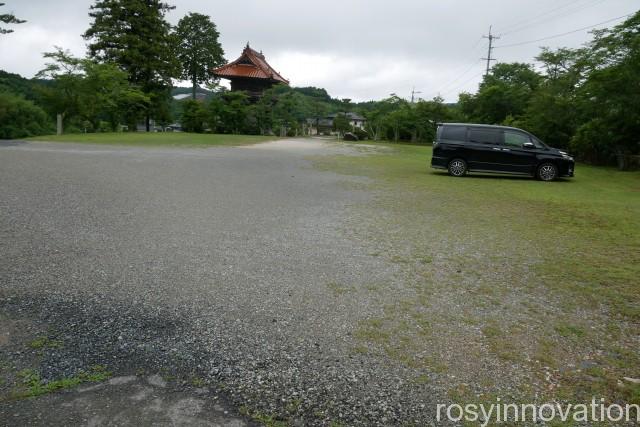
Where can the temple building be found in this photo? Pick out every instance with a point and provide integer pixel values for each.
(250, 73)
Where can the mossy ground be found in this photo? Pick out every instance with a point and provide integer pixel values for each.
(32, 385)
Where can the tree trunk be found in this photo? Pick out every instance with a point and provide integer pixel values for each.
(147, 122)
(59, 126)
(193, 89)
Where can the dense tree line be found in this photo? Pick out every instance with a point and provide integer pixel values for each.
(133, 56)
(284, 110)
(586, 100)
(281, 110)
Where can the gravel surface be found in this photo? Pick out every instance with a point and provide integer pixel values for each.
(227, 264)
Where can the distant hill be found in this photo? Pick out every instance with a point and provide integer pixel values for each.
(314, 92)
(14, 83)
(181, 92)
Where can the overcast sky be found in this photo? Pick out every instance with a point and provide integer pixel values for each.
(358, 49)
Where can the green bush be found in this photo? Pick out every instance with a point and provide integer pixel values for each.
(592, 142)
(20, 118)
(87, 126)
(193, 116)
(105, 126)
(360, 133)
(293, 129)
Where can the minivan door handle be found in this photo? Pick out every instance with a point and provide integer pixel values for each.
(497, 149)
(506, 149)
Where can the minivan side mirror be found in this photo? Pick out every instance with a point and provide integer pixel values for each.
(528, 145)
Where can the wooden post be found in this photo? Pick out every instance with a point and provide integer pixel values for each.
(59, 124)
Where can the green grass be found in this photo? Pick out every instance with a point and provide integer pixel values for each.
(337, 289)
(32, 385)
(178, 139)
(44, 342)
(548, 273)
(266, 420)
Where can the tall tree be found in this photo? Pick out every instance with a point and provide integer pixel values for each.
(503, 94)
(609, 99)
(85, 91)
(551, 114)
(135, 35)
(341, 124)
(228, 112)
(63, 95)
(199, 51)
(9, 18)
(194, 116)
(427, 115)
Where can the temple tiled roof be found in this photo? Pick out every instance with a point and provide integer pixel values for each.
(251, 64)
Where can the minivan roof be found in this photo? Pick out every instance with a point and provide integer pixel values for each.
(478, 125)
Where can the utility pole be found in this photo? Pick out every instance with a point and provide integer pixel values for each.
(413, 94)
(491, 38)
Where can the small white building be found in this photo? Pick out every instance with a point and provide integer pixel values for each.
(325, 124)
(355, 119)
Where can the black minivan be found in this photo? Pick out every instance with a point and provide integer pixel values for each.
(462, 148)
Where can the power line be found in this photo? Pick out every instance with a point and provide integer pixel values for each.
(469, 68)
(544, 19)
(510, 27)
(449, 84)
(517, 23)
(471, 51)
(459, 76)
(563, 34)
(475, 45)
(466, 70)
(461, 84)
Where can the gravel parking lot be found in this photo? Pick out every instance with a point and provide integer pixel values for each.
(228, 268)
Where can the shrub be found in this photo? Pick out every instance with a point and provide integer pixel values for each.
(592, 142)
(20, 118)
(349, 136)
(293, 129)
(193, 116)
(360, 133)
(105, 126)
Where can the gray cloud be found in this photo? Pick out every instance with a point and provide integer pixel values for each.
(354, 48)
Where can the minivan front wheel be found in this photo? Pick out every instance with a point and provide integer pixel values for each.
(547, 172)
(457, 167)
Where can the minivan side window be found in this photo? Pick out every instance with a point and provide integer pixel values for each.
(484, 136)
(456, 133)
(515, 139)
(537, 143)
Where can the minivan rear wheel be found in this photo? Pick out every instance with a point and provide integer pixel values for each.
(457, 167)
(547, 172)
